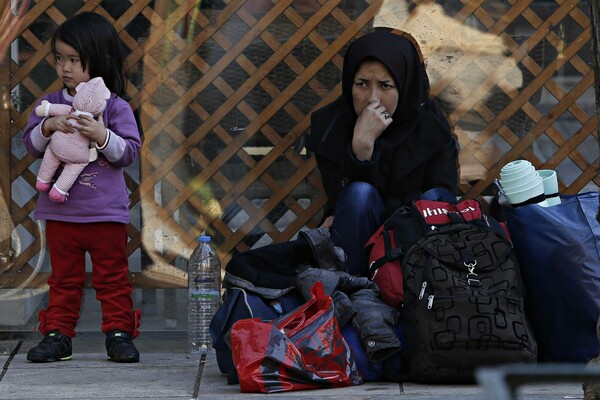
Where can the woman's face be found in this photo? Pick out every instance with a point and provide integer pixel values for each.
(372, 83)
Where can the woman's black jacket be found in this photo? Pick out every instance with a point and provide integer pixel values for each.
(426, 159)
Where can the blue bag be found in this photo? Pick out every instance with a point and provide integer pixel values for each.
(374, 371)
(240, 304)
(558, 249)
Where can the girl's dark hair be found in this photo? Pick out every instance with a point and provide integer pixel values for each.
(100, 48)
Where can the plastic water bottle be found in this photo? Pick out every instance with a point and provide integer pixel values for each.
(204, 294)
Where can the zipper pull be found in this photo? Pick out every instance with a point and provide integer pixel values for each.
(485, 217)
(276, 304)
(422, 293)
(430, 302)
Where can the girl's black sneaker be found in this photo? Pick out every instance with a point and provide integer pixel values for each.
(54, 347)
(120, 348)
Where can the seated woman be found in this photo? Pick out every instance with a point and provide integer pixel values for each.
(382, 144)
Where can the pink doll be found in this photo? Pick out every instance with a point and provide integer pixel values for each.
(73, 150)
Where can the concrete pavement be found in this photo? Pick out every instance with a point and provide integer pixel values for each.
(167, 371)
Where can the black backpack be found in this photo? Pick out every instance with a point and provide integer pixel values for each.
(464, 302)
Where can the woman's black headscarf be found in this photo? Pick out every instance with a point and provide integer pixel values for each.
(399, 56)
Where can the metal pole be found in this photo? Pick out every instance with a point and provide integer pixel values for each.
(595, 27)
(6, 223)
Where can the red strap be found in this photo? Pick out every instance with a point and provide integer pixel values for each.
(435, 212)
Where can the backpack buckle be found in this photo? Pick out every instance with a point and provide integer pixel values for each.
(472, 278)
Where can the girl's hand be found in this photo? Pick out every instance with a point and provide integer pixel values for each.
(371, 122)
(328, 223)
(58, 123)
(92, 129)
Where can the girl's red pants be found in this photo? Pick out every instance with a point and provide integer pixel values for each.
(106, 243)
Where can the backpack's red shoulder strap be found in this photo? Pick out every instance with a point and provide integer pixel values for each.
(437, 212)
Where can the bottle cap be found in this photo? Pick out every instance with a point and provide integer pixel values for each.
(204, 238)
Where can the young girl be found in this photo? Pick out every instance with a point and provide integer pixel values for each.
(95, 215)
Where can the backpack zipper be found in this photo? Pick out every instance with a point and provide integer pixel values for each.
(485, 217)
(431, 297)
(422, 293)
(430, 302)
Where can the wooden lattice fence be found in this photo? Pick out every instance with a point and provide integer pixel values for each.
(224, 90)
